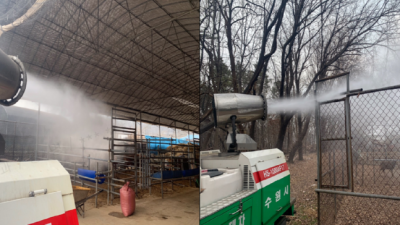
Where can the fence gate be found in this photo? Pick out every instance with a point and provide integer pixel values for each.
(358, 146)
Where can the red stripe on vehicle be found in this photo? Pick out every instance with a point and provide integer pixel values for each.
(72, 217)
(270, 172)
(68, 218)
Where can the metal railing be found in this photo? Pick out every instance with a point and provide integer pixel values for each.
(125, 160)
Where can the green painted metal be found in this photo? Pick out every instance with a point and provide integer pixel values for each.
(275, 200)
(248, 216)
(263, 207)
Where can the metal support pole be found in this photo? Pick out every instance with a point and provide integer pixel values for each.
(172, 164)
(108, 170)
(97, 182)
(176, 142)
(162, 158)
(318, 208)
(317, 136)
(188, 151)
(356, 194)
(83, 155)
(150, 186)
(348, 131)
(136, 160)
(162, 169)
(112, 155)
(83, 213)
(141, 147)
(318, 147)
(159, 131)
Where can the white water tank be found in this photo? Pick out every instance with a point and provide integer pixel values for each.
(219, 187)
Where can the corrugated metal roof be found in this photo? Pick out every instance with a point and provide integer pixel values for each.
(139, 54)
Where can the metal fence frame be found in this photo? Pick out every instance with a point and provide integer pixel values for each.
(332, 191)
(139, 179)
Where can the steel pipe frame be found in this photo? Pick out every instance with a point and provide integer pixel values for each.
(44, 25)
(79, 60)
(348, 134)
(348, 139)
(356, 194)
(74, 171)
(123, 35)
(154, 115)
(64, 28)
(70, 147)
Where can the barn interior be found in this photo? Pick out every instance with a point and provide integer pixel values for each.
(112, 94)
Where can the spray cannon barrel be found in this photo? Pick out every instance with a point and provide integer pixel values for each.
(13, 79)
(246, 108)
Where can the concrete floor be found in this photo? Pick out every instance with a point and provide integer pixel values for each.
(179, 208)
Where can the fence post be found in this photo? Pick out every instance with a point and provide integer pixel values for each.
(348, 132)
(318, 148)
(97, 181)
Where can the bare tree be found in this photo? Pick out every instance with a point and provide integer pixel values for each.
(291, 44)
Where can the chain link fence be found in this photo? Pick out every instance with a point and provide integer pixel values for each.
(333, 145)
(374, 162)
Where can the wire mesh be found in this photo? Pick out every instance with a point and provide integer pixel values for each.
(376, 142)
(375, 138)
(334, 170)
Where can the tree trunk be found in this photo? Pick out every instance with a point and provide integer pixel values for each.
(301, 152)
(300, 124)
(284, 122)
(205, 140)
(299, 142)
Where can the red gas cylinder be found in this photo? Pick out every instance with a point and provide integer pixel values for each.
(127, 200)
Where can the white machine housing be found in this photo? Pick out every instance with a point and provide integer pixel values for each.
(52, 201)
(250, 166)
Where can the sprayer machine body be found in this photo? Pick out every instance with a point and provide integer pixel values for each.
(243, 188)
(36, 193)
(254, 188)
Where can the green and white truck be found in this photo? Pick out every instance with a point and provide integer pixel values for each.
(243, 188)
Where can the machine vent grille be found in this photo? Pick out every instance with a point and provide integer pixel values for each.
(248, 182)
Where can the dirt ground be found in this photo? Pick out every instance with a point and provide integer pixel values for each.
(350, 210)
(302, 181)
(180, 206)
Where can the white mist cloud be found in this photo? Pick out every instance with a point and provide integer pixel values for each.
(384, 72)
(82, 117)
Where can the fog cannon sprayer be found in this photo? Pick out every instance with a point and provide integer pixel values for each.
(231, 109)
(13, 79)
